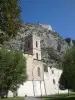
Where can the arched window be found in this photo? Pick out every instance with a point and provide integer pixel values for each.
(36, 55)
(28, 44)
(36, 44)
(45, 68)
(38, 71)
(53, 81)
(52, 71)
(50, 66)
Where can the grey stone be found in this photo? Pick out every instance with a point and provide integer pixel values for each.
(50, 42)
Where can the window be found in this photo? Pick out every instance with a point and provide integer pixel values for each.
(50, 66)
(52, 71)
(38, 71)
(36, 44)
(36, 55)
(28, 44)
(45, 68)
(53, 81)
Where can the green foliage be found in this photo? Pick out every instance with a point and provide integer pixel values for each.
(59, 37)
(14, 98)
(61, 98)
(67, 79)
(73, 42)
(12, 70)
(68, 40)
(10, 21)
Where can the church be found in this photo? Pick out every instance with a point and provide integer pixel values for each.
(39, 82)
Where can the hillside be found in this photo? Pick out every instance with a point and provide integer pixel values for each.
(52, 45)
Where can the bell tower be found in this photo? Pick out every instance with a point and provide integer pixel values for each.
(32, 46)
(35, 68)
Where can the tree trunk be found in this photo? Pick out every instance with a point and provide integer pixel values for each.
(68, 92)
(4, 92)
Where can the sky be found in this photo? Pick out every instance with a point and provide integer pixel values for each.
(60, 14)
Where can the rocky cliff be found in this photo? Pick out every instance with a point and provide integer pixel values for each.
(52, 45)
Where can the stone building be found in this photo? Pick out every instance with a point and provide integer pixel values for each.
(39, 82)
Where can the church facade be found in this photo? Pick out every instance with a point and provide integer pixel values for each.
(39, 82)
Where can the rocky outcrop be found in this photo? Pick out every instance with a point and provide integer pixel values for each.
(52, 45)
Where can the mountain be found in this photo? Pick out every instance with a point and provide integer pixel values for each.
(53, 45)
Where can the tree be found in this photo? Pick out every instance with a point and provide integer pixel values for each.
(68, 40)
(10, 20)
(73, 42)
(12, 70)
(67, 79)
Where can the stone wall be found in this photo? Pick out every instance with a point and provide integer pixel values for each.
(51, 87)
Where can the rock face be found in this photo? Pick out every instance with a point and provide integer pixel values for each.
(52, 45)
(52, 50)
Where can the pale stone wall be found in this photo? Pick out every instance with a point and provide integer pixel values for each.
(46, 26)
(36, 65)
(29, 64)
(32, 68)
(26, 89)
(51, 88)
(10, 94)
(38, 48)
